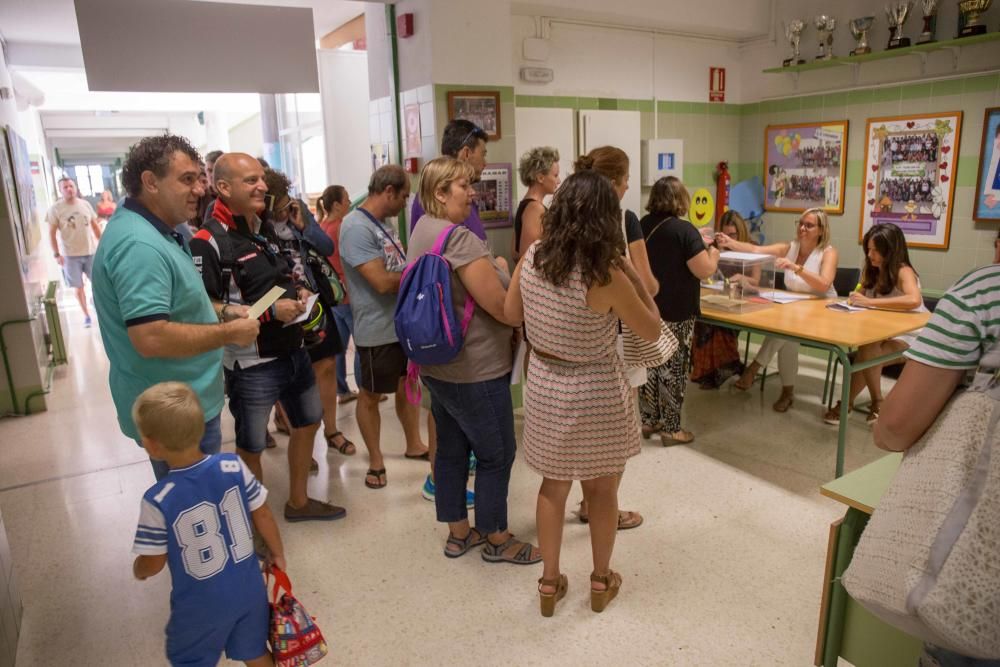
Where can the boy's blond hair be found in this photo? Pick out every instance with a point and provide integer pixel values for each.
(169, 413)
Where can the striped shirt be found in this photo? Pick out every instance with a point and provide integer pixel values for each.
(965, 324)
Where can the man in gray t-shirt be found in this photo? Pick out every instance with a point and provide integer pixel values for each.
(74, 233)
(373, 264)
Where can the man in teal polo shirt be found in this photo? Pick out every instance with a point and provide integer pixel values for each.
(156, 320)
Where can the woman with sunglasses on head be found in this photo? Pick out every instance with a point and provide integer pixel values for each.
(888, 282)
(810, 265)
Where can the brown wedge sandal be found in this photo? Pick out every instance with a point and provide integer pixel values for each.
(548, 601)
(600, 599)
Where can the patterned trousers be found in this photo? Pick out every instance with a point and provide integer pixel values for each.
(661, 398)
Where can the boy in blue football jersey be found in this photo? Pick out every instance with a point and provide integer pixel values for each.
(197, 521)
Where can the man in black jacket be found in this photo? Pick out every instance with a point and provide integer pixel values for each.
(240, 263)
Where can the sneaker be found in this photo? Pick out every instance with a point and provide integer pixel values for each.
(314, 510)
(428, 493)
(472, 463)
(87, 322)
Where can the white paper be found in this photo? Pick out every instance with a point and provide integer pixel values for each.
(305, 315)
(843, 306)
(786, 297)
(744, 256)
(265, 302)
(520, 353)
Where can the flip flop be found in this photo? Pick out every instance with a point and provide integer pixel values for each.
(347, 398)
(626, 519)
(343, 447)
(378, 475)
(426, 456)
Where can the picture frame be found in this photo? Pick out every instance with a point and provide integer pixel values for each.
(909, 175)
(987, 204)
(494, 195)
(804, 166)
(482, 107)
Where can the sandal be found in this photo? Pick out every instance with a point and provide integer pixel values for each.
(426, 456)
(676, 438)
(649, 431)
(832, 416)
(379, 475)
(785, 401)
(548, 601)
(347, 398)
(612, 584)
(496, 553)
(626, 519)
(873, 412)
(463, 543)
(346, 447)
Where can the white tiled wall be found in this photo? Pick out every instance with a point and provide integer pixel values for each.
(10, 603)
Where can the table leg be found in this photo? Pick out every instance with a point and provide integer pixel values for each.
(849, 534)
(845, 410)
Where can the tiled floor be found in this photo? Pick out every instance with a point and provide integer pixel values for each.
(726, 569)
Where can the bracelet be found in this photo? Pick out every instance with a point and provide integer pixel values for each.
(799, 270)
(222, 313)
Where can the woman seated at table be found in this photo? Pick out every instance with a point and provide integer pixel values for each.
(715, 354)
(810, 265)
(888, 282)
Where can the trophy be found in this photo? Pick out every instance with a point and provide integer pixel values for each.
(860, 28)
(970, 11)
(825, 25)
(896, 13)
(930, 21)
(793, 33)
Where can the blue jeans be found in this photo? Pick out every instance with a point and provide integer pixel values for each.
(935, 656)
(211, 443)
(345, 327)
(476, 417)
(254, 390)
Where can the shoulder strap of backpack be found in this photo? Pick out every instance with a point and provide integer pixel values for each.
(470, 305)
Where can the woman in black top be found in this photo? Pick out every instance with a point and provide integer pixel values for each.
(679, 260)
(539, 172)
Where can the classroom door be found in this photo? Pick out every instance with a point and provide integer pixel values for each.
(621, 129)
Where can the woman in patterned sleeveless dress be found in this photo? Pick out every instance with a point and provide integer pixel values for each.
(580, 422)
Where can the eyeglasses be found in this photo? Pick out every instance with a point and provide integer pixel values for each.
(475, 129)
(807, 225)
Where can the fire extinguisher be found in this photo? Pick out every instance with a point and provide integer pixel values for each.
(722, 190)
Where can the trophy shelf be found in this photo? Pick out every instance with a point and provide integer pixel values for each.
(921, 50)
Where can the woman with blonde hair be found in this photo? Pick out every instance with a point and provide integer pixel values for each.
(810, 265)
(470, 395)
(715, 354)
(539, 172)
(572, 287)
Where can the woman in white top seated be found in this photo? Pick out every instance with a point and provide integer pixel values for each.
(888, 282)
(810, 265)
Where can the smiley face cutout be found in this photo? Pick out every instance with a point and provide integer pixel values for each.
(702, 208)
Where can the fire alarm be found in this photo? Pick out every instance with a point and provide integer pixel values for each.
(410, 165)
(404, 25)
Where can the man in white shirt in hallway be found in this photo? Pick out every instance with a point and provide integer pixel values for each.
(73, 226)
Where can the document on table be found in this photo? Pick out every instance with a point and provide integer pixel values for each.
(845, 307)
(265, 302)
(305, 315)
(744, 256)
(786, 297)
(520, 353)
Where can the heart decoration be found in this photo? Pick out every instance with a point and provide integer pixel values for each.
(944, 178)
(945, 149)
(871, 186)
(910, 125)
(874, 167)
(871, 202)
(943, 165)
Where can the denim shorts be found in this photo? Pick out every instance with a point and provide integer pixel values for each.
(74, 267)
(253, 391)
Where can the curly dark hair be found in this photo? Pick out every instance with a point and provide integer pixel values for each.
(581, 230)
(277, 183)
(153, 154)
(889, 242)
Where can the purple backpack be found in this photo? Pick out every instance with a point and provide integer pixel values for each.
(425, 317)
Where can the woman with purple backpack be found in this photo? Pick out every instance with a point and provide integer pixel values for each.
(471, 401)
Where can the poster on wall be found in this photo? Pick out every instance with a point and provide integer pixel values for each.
(493, 195)
(804, 166)
(25, 191)
(910, 175)
(987, 208)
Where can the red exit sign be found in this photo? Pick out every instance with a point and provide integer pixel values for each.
(717, 84)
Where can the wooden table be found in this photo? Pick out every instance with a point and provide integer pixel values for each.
(812, 324)
(846, 629)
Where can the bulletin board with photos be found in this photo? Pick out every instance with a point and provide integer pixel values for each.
(909, 176)
(987, 205)
(804, 166)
